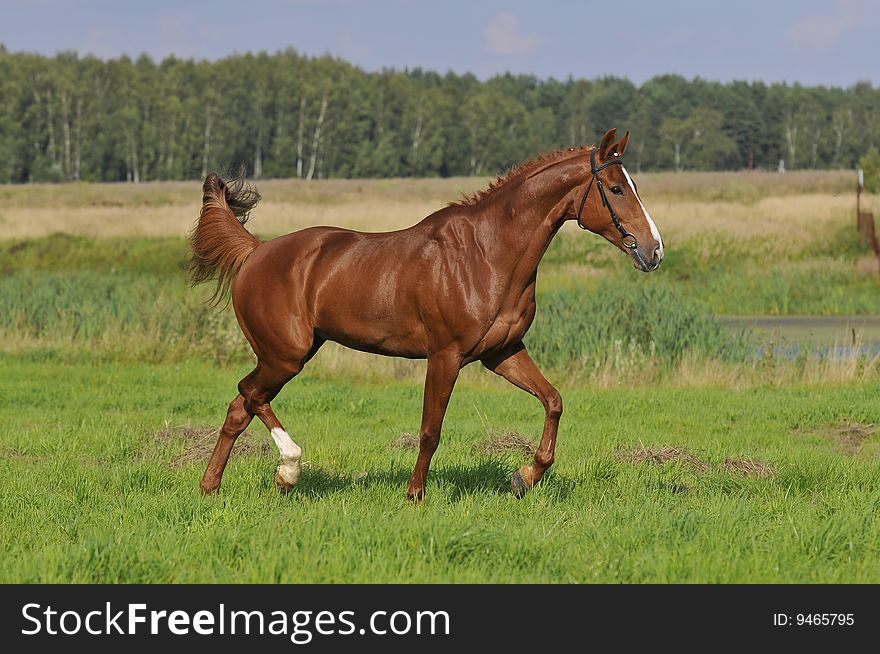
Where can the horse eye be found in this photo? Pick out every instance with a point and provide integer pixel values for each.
(617, 190)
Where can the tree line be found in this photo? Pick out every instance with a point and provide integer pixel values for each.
(289, 115)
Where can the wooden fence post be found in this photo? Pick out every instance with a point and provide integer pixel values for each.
(865, 219)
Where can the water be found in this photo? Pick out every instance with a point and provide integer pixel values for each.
(791, 336)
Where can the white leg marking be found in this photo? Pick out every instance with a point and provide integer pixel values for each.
(291, 453)
(654, 232)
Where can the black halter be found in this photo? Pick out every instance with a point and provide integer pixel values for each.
(629, 241)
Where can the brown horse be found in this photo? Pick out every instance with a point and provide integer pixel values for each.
(457, 287)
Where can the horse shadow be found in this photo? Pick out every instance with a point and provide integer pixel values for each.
(487, 476)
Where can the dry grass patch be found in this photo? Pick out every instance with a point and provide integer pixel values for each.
(759, 205)
(405, 441)
(200, 442)
(170, 208)
(662, 455)
(787, 223)
(506, 441)
(749, 467)
(846, 436)
(12, 453)
(694, 372)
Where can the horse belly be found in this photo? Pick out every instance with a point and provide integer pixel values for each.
(385, 345)
(369, 319)
(372, 333)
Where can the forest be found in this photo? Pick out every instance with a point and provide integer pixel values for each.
(72, 117)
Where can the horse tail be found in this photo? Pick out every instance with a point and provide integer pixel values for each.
(220, 243)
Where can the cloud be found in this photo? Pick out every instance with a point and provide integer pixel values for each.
(504, 37)
(816, 32)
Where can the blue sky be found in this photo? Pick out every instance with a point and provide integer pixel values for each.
(831, 42)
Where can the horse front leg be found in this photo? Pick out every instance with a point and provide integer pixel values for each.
(439, 382)
(517, 367)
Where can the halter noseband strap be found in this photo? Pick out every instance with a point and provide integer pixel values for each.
(629, 241)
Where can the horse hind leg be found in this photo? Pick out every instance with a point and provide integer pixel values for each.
(255, 392)
(259, 389)
(237, 420)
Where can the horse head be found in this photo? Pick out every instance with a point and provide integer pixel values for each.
(611, 207)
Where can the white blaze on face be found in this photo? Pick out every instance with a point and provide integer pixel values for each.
(654, 232)
(291, 453)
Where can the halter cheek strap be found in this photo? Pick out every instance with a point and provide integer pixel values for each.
(629, 241)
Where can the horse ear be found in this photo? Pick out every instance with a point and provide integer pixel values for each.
(621, 146)
(607, 142)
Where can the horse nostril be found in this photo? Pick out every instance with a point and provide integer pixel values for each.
(656, 258)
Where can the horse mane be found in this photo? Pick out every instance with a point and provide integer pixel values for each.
(531, 166)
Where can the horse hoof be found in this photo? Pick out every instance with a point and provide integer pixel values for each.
(284, 487)
(209, 488)
(518, 485)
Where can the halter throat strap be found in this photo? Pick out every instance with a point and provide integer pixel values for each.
(629, 241)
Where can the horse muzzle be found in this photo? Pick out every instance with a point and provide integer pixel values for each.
(644, 261)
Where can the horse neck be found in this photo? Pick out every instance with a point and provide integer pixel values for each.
(526, 217)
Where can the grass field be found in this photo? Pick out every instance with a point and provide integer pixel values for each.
(685, 454)
(97, 489)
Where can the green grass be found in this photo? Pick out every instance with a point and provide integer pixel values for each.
(754, 276)
(577, 331)
(89, 493)
(160, 257)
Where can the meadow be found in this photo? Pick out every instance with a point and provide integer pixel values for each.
(688, 452)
